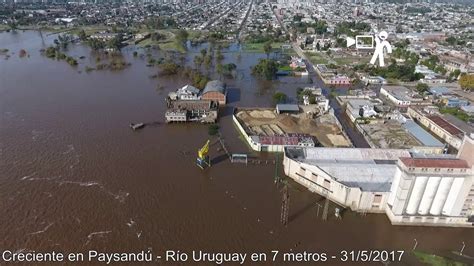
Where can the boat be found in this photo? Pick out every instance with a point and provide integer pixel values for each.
(136, 126)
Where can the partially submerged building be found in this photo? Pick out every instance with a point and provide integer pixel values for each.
(411, 188)
(187, 92)
(203, 111)
(215, 90)
(329, 76)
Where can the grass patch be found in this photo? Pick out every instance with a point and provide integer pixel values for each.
(285, 68)
(258, 47)
(172, 45)
(434, 260)
(168, 43)
(351, 60)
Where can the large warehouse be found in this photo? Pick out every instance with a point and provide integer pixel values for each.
(215, 90)
(411, 188)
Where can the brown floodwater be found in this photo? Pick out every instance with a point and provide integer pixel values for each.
(74, 177)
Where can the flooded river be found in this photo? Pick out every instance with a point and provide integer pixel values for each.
(74, 177)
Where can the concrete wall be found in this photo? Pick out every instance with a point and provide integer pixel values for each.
(215, 96)
(253, 145)
(316, 180)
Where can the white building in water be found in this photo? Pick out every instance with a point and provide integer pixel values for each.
(411, 188)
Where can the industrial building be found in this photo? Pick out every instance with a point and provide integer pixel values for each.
(355, 178)
(439, 126)
(400, 96)
(411, 188)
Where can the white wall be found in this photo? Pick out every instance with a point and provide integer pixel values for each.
(314, 178)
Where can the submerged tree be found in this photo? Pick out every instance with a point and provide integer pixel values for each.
(266, 68)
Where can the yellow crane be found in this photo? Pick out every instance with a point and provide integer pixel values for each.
(203, 158)
(202, 153)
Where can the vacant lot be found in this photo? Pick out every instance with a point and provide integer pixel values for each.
(265, 122)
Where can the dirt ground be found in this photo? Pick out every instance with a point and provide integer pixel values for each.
(267, 122)
(390, 135)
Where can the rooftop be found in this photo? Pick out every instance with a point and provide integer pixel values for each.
(214, 85)
(288, 107)
(421, 135)
(439, 90)
(445, 125)
(204, 105)
(399, 92)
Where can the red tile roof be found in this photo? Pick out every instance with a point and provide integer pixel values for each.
(434, 163)
(445, 125)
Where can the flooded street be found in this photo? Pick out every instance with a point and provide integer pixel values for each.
(74, 177)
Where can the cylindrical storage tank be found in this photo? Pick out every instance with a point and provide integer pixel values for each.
(416, 194)
(441, 195)
(453, 195)
(429, 194)
(394, 188)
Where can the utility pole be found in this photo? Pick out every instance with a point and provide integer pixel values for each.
(326, 209)
(277, 178)
(285, 205)
(319, 206)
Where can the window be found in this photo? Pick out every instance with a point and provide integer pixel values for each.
(377, 199)
(327, 184)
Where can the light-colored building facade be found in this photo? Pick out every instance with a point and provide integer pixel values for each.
(411, 188)
(430, 191)
(437, 125)
(396, 94)
(358, 179)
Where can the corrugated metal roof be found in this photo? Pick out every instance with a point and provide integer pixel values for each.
(445, 125)
(288, 107)
(214, 85)
(434, 163)
(368, 169)
(421, 135)
(439, 90)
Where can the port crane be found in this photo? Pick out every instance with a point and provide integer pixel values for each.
(202, 159)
